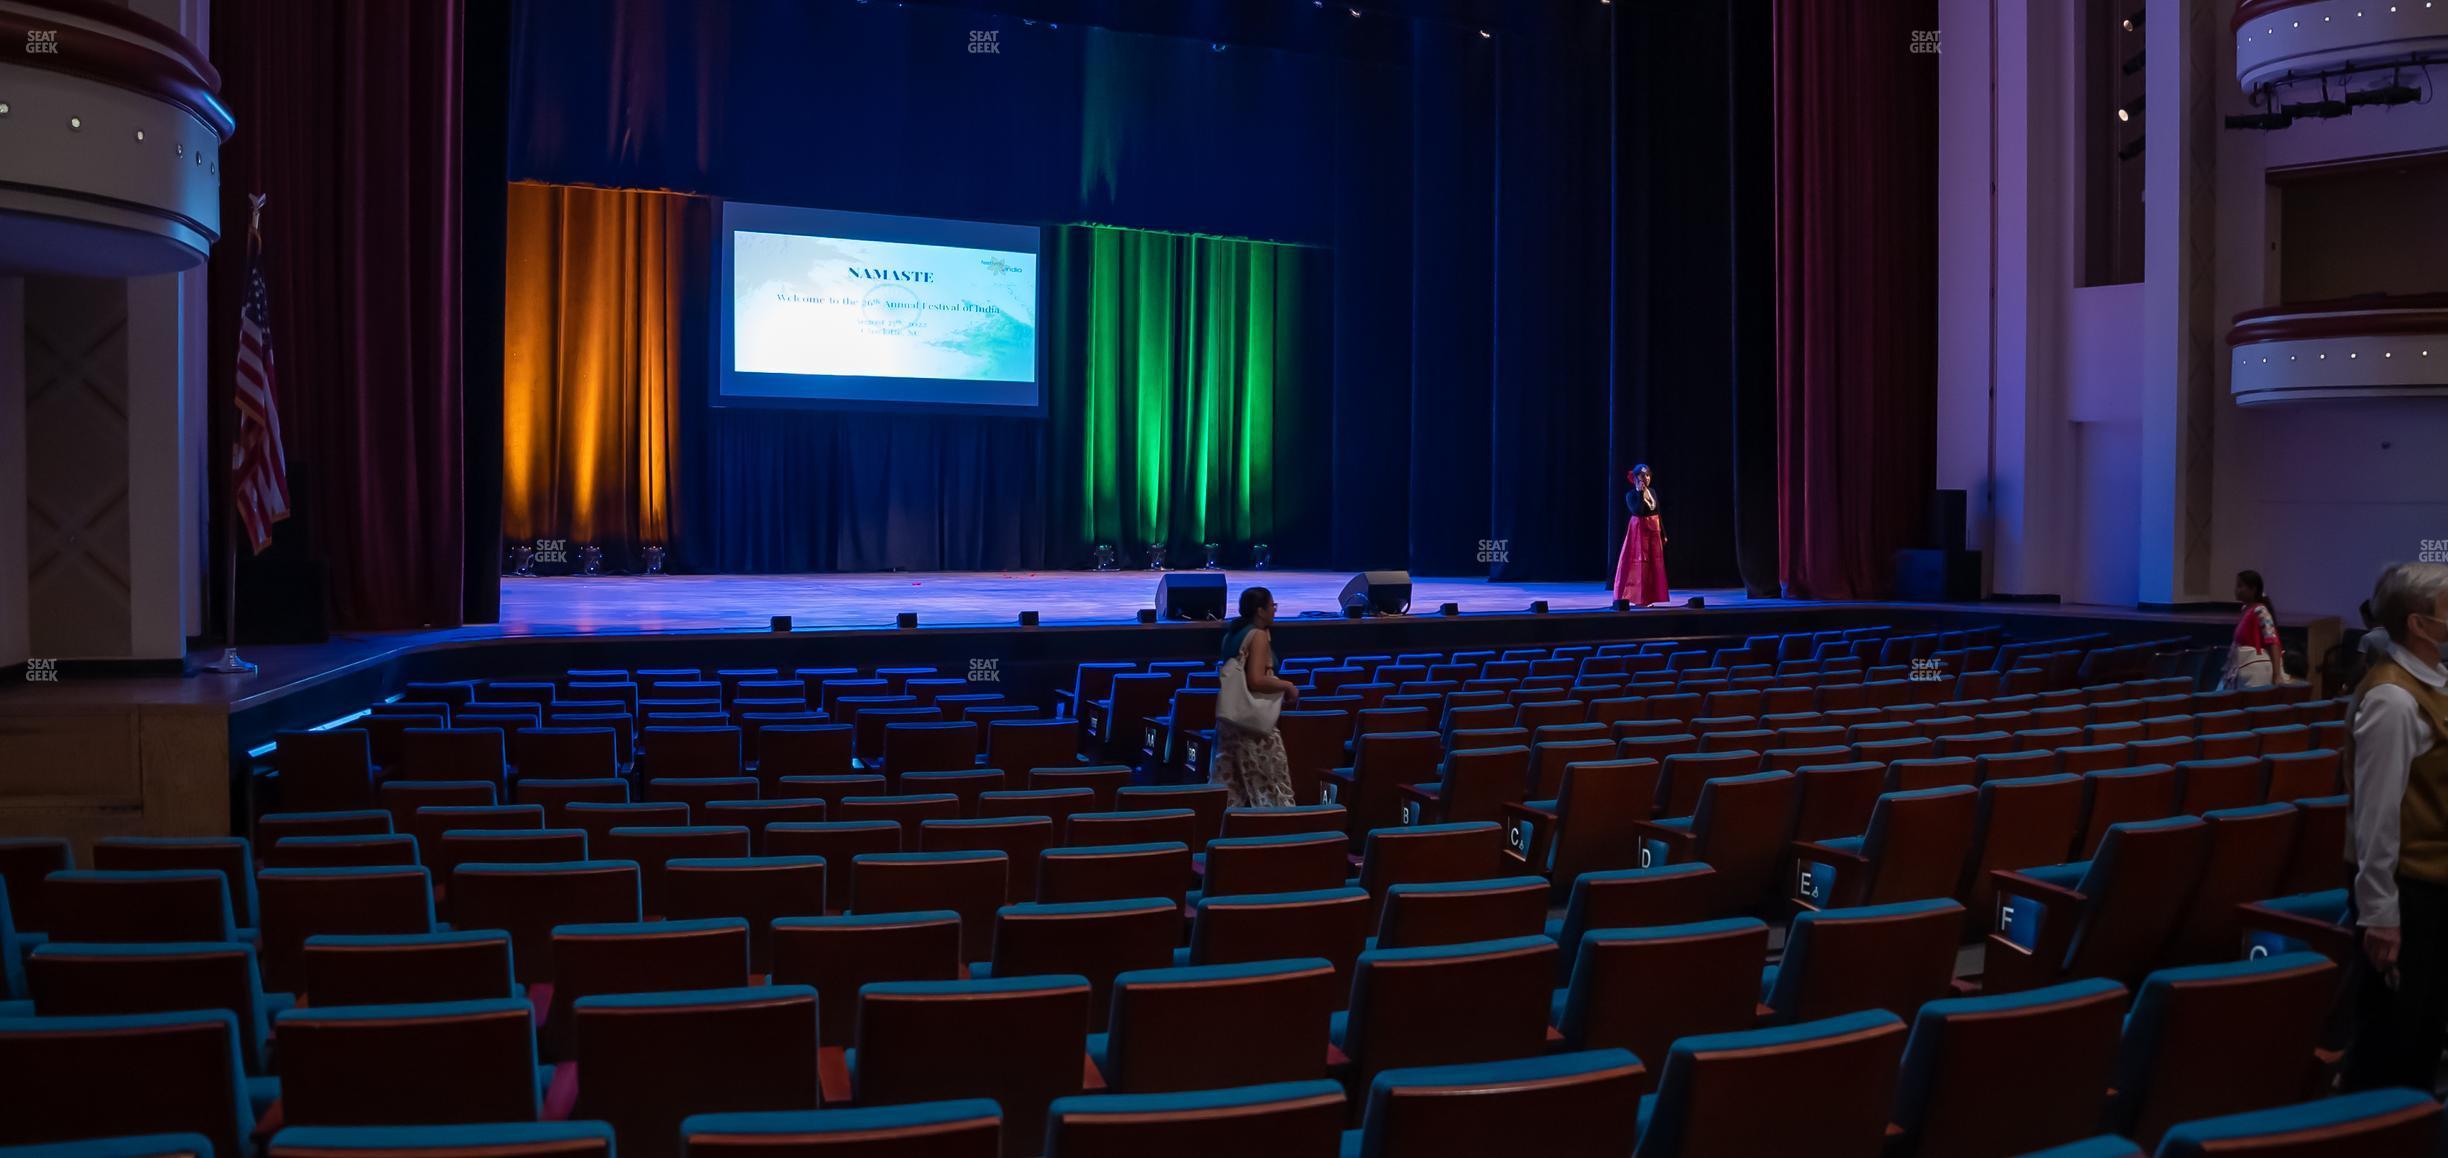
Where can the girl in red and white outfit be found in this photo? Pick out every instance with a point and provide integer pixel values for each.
(2258, 659)
(1640, 572)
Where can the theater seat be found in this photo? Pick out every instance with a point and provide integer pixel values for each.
(74, 1078)
(154, 905)
(1115, 872)
(2008, 1073)
(409, 1065)
(757, 889)
(1017, 1040)
(1453, 912)
(1292, 862)
(2218, 1039)
(525, 1139)
(639, 957)
(646, 1061)
(968, 883)
(1326, 923)
(1588, 826)
(140, 1146)
(1914, 848)
(1206, 1027)
(2244, 863)
(299, 903)
(73, 980)
(1093, 939)
(1832, 1081)
(1739, 829)
(1893, 957)
(1631, 898)
(2019, 823)
(527, 900)
(409, 968)
(1139, 826)
(838, 843)
(1447, 1004)
(1285, 1118)
(2107, 917)
(1567, 1105)
(1643, 988)
(839, 955)
(2395, 1123)
(968, 1128)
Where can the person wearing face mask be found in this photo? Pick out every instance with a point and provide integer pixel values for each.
(2397, 835)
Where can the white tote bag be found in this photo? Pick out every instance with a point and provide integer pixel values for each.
(1236, 704)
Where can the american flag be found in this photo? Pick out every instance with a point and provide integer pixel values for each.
(259, 472)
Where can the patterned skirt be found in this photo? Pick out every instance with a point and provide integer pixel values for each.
(1252, 767)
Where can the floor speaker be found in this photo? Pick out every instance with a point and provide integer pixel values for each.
(1190, 595)
(1946, 520)
(1378, 593)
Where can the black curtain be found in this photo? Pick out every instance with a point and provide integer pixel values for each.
(1695, 390)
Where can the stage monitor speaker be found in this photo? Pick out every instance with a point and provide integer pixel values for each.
(1378, 593)
(1931, 576)
(1946, 520)
(1190, 595)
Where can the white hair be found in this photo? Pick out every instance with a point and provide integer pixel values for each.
(2408, 589)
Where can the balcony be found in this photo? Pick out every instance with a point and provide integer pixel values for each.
(2279, 39)
(2375, 346)
(110, 142)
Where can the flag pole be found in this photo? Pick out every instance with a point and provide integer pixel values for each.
(231, 663)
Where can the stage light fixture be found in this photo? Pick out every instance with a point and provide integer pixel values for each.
(1261, 556)
(2264, 121)
(2128, 111)
(1449, 609)
(1028, 619)
(1538, 607)
(2323, 108)
(906, 620)
(1215, 556)
(779, 623)
(1695, 603)
(1106, 559)
(2131, 150)
(522, 562)
(654, 560)
(1147, 616)
(2387, 94)
(1156, 557)
(590, 560)
(1623, 605)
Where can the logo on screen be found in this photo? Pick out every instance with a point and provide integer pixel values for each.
(998, 266)
(984, 41)
(889, 308)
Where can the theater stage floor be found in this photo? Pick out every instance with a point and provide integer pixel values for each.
(563, 605)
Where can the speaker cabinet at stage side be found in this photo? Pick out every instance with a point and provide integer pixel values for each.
(1190, 595)
(1937, 575)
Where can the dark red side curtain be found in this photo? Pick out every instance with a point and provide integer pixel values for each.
(1857, 297)
(349, 122)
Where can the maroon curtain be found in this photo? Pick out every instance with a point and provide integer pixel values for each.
(349, 122)
(1857, 298)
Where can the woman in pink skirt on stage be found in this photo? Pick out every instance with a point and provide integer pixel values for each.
(1640, 572)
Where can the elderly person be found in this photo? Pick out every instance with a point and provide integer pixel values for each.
(2397, 839)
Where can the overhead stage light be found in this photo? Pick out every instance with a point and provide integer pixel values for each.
(2387, 94)
(2129, 110)
(2323, 108)
(2131, 150)
(2265, 121)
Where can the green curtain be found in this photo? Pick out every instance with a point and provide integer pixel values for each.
(1172, 358)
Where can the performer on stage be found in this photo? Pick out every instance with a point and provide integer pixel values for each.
(1640, 572)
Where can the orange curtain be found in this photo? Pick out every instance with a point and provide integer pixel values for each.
(591, 365)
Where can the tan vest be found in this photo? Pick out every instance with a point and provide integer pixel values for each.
(2422, 817)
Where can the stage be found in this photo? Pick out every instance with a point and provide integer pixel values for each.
(565, 605)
